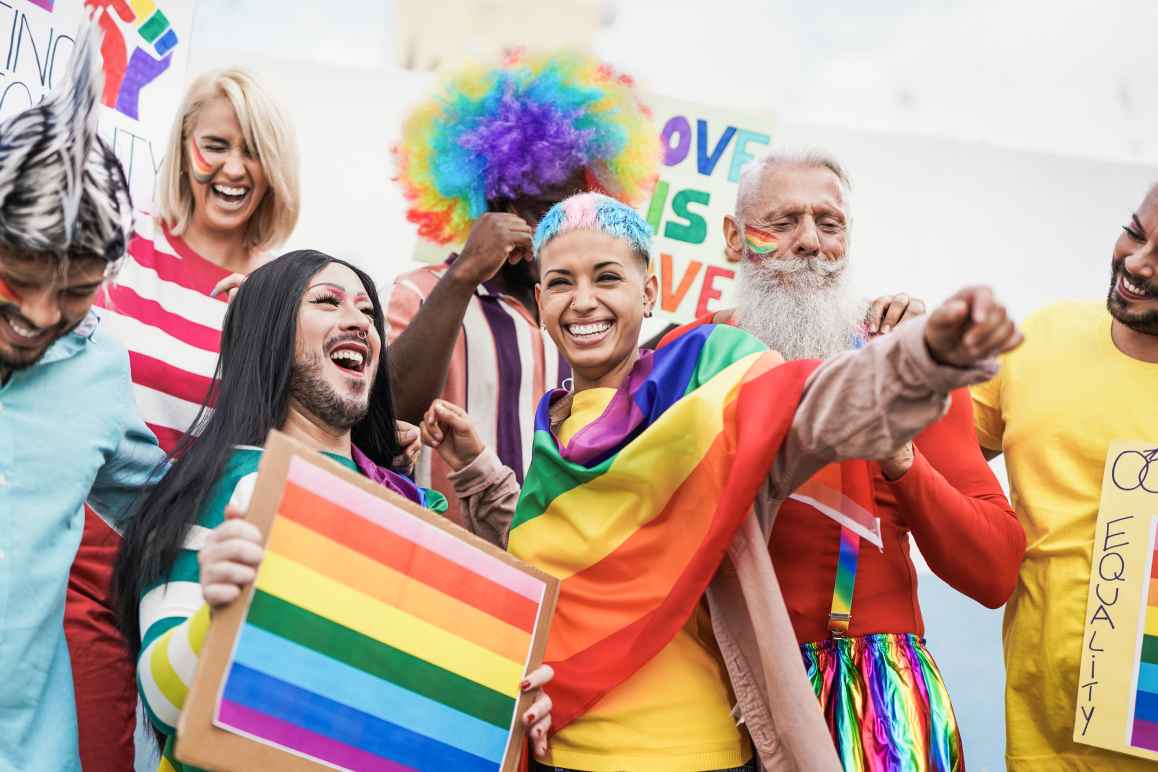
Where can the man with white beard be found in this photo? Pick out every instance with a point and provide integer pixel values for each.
(879, 688)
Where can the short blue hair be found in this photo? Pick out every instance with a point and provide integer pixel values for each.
(595, 212)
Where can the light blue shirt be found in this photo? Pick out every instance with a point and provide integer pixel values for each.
(68, 425)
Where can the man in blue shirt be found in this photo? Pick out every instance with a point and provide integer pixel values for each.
(68, 425)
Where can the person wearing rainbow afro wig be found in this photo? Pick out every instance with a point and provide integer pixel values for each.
(653, 484)
(481, 162)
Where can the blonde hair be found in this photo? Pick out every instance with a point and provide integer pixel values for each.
(268, 133)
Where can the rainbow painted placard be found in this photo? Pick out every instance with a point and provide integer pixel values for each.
(1117, 700)
(1144, 705)
(376, 636)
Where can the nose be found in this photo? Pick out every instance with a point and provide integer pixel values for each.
(583, 299)
(234, 167)
(353, 320)
(1143, 262)
(808, 240)
(41, 308)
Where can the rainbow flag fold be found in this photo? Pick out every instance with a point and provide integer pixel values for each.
(636, 513)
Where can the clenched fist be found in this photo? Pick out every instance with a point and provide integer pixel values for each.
(448, 429)
(969, 328)
(495, 239)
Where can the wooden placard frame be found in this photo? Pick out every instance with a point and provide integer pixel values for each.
(199, 741)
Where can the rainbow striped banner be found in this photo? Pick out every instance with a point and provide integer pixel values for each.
(375, 639)
(635, 514)
(1144, 705)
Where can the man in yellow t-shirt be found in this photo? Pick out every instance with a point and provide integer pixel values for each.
(1087, 375)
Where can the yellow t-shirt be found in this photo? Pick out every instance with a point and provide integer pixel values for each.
(675, 713)
(1056, 405)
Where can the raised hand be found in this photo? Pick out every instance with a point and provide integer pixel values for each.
(448, 429)
(411, 441)
(497, 238)
(969, 328)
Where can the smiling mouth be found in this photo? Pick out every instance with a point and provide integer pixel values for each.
(23, 335)
(350, 358)
(589, 332)
(232, 196)
(1132, 291)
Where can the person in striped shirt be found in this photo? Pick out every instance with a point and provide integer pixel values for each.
(315, 368)
(482, 161)
(228, 194)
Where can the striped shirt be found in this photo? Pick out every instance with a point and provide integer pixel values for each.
(160, 308)
(501, 367)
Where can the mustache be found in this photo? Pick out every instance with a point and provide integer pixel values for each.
(346, 337)
(12, 311)
(789, 265)
(1120, 270)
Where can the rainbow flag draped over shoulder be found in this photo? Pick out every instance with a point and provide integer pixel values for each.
(636, 513)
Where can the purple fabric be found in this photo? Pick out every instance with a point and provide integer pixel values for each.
(621, 418)
(388, 478)
(509, 442)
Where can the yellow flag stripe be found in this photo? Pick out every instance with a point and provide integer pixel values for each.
(321, 595)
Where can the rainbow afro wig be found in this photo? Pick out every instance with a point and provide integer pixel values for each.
(595, 212)
(492, 135)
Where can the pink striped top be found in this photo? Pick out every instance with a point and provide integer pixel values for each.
(501, 366)
(160, 308)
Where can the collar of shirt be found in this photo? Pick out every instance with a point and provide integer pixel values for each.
(71, 342)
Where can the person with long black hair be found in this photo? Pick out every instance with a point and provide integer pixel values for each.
(301, 351)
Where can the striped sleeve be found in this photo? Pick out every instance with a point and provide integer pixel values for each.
(402, 306)
(175, 620)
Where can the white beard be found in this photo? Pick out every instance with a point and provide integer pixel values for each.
(804, 309)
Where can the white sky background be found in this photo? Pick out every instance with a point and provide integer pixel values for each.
(1070, 76)
(1074, 77)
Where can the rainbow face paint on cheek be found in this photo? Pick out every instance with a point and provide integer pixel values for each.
(760, 242)
(7, 294)
(202, 170)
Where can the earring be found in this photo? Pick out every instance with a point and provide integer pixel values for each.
(647, 314)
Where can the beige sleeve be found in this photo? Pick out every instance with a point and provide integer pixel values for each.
(489, 493)
(867, 403)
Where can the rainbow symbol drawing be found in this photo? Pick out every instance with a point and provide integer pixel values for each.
(153, 26)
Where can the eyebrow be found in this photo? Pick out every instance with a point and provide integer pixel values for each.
(363, 295)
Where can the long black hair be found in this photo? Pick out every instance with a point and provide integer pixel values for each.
(249, 397)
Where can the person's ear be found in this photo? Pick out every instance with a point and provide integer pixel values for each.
(539, 302)
(733, 240)
(650, 293)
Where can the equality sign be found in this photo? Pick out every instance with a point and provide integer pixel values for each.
(377, 635)
(1117, 705)
(704, 151)
(145, 50)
